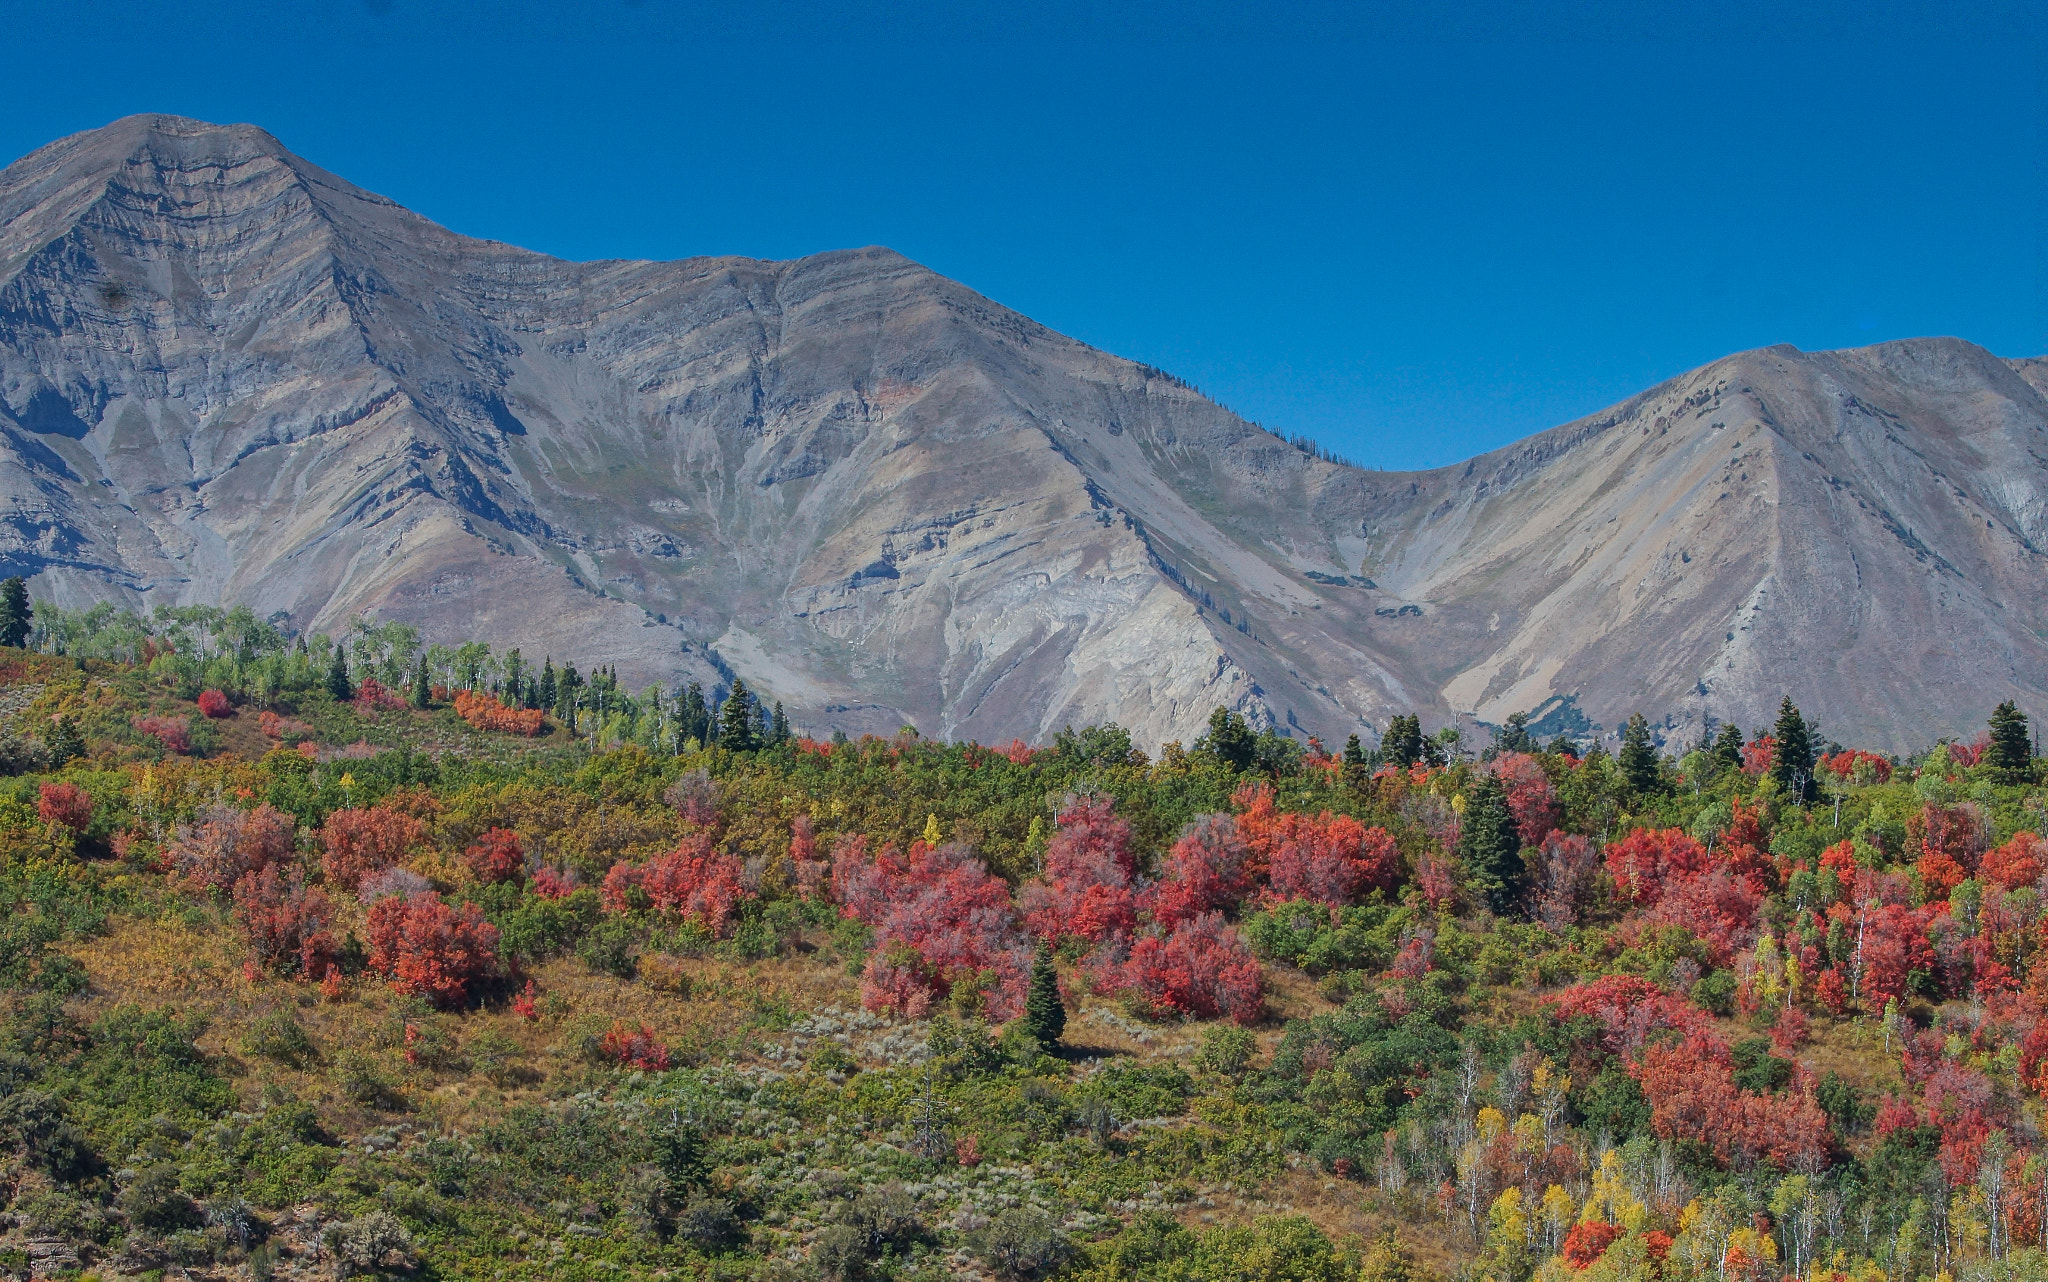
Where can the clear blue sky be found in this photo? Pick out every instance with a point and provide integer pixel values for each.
(1412, 232)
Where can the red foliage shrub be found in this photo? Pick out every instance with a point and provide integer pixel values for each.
(1894, 944)
(214, 704)
(1531, 798)
(1629, 1010)
(1788, 1034)
(1758, 755)
(1086, 891)
(289, 925)
(1856, 764)
(552, 883)
(360, 842)
(497, 855)
(1018, 752)
(694, 798)
(524, 1006)
(2019, 862)
(1831, 991)
(1333, 859)
(223, 843)
(1587, 1242)
(1958, 833)
(428, 949)
(1208, 870)
(1563, 867)
(1436, 876)
(694, 881)
(1970, 754)
(946, 909)
(810, 872)
(634, 1048)
(373, 696)
(1719, 908)
(64, 805)
(1647, 860)
(274, 726)
(1328, 857)
(171, 732)
(1692, 1094)
(485, 712)
(1201, 968)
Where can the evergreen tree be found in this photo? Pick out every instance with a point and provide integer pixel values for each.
(1403, 742)
(693, 718)
(1354, 752)
(778, 729)
(757, 721)
(1231, 739)
(549, 695)
(565, 698)
(736, 719)
(422, 691)
(1489, 846)
(15, 612)
(65, 742)
(337, 676)
(1045, 1015)
(515, 684)
(1727, 749)
(1514, 736)
(1638, 759)
(1793, 765)
(2012, 746)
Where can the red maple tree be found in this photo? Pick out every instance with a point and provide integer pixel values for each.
(357, 843)
(64, 805)
(428, 949)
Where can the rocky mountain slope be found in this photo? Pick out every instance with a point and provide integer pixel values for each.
(227, 375)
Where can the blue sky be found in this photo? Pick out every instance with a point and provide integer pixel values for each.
(1413, 233)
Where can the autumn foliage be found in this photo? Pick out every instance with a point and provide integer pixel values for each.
(357, 843)
(496, 855)
(290, 925)
(940, 917)
(172, 732)
(1330, 858)
(486, 712)
(221, 844)
(64, 805)
(1088, 890)
(631, 1047)
(1200, 968)
(428, 949)
(213, 704)
(694, 881)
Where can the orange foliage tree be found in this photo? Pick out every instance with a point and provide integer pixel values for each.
(360, 842)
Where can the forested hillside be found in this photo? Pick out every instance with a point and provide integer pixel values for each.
(339, 956)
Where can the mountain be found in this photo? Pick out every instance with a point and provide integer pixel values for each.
(228, 375)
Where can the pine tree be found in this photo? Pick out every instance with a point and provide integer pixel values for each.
(549, 695)
(514, 685)
(15, 612)
(778, 729)
(1793, 764)
(65, 742)
(565, 696)
(1403, 741)
(422, 692)
(1727, 749)
(1514, 736)
(1489, 846)
(1354, 752)
(736, 719)
(2012, 746)
(1045, 1015)
(1231, 739)
(337, 677)
(1638, 759)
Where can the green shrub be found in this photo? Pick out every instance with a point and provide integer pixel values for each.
(1227, 1050)
(280, 1037)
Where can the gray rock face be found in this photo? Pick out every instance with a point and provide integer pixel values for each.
(226, 375)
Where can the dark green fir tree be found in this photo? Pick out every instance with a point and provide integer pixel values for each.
(778, 726)
(1403, 742)
(2012, 745)
(1514, 736)
(1045, 1015)
(549, 694)
(1490, 847)
(1792, 764)
(15, 612)
(1638, 760)
(1727, 749)
(65, 743)
(736, 719)
(422, 691)
(337, 676)
(1230, 739)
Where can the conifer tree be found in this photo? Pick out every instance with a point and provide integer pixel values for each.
(1514, 735)
(15, 612)
(422, 692)
(1045, 1015)
(778, 729)
(549, 695)
(1489, 846)
(1727, 749)
(1792, 766)
(2012, 747)
(65, 742)
(565, 698)
(1403, 741)
(337, 676)
(1354, 752)
(1638, 758)
(736, 719)
(1231, 739)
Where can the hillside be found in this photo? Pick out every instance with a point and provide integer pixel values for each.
(228, 375)
(300, 977)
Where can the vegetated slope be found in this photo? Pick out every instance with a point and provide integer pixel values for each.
(227, 373)
(396, 996)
